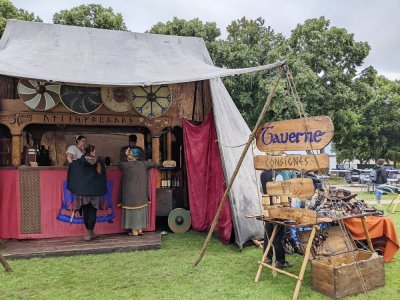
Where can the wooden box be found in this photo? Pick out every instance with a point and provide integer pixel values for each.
(167, 200)
(337, 276)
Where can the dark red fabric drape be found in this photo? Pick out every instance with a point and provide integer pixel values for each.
(9, 203)
(206, 184)
(51, 194)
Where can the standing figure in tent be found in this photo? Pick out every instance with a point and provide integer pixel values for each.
(132, 145)
(281, 262)
(76, 151)
(87, 179)
(134, 198)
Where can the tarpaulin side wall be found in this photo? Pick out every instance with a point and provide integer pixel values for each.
(232, 130)
(206, 184)
(51, 194)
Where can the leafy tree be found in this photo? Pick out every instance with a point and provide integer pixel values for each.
(9, 11)
(324, 61)
(208, 31)
(92, 15)
(250, 43)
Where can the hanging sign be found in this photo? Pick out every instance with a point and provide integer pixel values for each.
(299, 134)
(305, 163)
(298, 188)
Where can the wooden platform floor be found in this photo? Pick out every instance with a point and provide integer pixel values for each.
(75, 245)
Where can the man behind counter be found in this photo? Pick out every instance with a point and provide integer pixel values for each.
(132, 145)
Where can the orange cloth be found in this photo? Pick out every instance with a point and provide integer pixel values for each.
(377, 227)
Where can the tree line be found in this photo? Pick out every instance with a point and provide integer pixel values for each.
(324, 61)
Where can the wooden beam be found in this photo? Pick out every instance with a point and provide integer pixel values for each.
(155, 149)
(16, 141)
(169, 145)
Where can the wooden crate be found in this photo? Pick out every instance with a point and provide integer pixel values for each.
(337, 276)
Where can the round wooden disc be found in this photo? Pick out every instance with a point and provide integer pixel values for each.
(81, 100)
(117, 99)
(39, 95)
(151, 101)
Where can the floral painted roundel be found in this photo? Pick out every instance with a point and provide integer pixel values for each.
(151, 101)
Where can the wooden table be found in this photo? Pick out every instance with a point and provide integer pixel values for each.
(314, 228)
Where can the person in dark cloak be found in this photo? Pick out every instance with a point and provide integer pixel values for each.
(134, 198)
(87, 179)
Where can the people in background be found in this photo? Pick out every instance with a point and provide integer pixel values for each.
(134, 198)
(87, 179)
(132, 145)
(76, 151)
(379, 176)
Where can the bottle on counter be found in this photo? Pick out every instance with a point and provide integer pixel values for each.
(163, 180)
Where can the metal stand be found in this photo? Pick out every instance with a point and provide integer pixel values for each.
(393, 209)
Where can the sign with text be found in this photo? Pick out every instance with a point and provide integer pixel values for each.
(298, 188)
(306, 163)
(299, 134)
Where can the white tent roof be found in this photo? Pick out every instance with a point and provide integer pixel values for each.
(90, 56)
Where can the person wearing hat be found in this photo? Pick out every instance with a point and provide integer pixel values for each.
(132, 145)
(134, 198)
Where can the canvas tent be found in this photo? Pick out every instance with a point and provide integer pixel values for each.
(87, 56)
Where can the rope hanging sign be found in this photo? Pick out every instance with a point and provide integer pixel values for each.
(311, 133)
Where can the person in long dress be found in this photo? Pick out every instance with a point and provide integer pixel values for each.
(134, 198)
(87, 179)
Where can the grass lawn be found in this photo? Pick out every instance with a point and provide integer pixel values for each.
(224, 273)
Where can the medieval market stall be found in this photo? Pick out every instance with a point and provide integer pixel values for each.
(61, 81)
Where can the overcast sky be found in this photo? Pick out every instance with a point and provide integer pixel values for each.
(374, 21)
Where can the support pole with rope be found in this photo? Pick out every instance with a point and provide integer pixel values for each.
(3, 261)
(282, 70)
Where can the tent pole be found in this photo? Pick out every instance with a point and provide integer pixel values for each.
(246, 147)
(3, 261)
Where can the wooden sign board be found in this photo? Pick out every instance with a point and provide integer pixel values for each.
(306, 163)
(299, 134)
(298, 188)
(300, 215)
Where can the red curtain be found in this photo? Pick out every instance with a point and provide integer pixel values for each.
(9, 204)
(51, 194)
(206, 183)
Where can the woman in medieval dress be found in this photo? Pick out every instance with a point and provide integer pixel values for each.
(75, 152)
(134, 198)
(87, 179)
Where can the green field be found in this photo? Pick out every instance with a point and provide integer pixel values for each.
(224, 273)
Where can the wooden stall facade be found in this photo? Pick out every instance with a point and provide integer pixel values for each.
(31, 213)
(189, 100)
